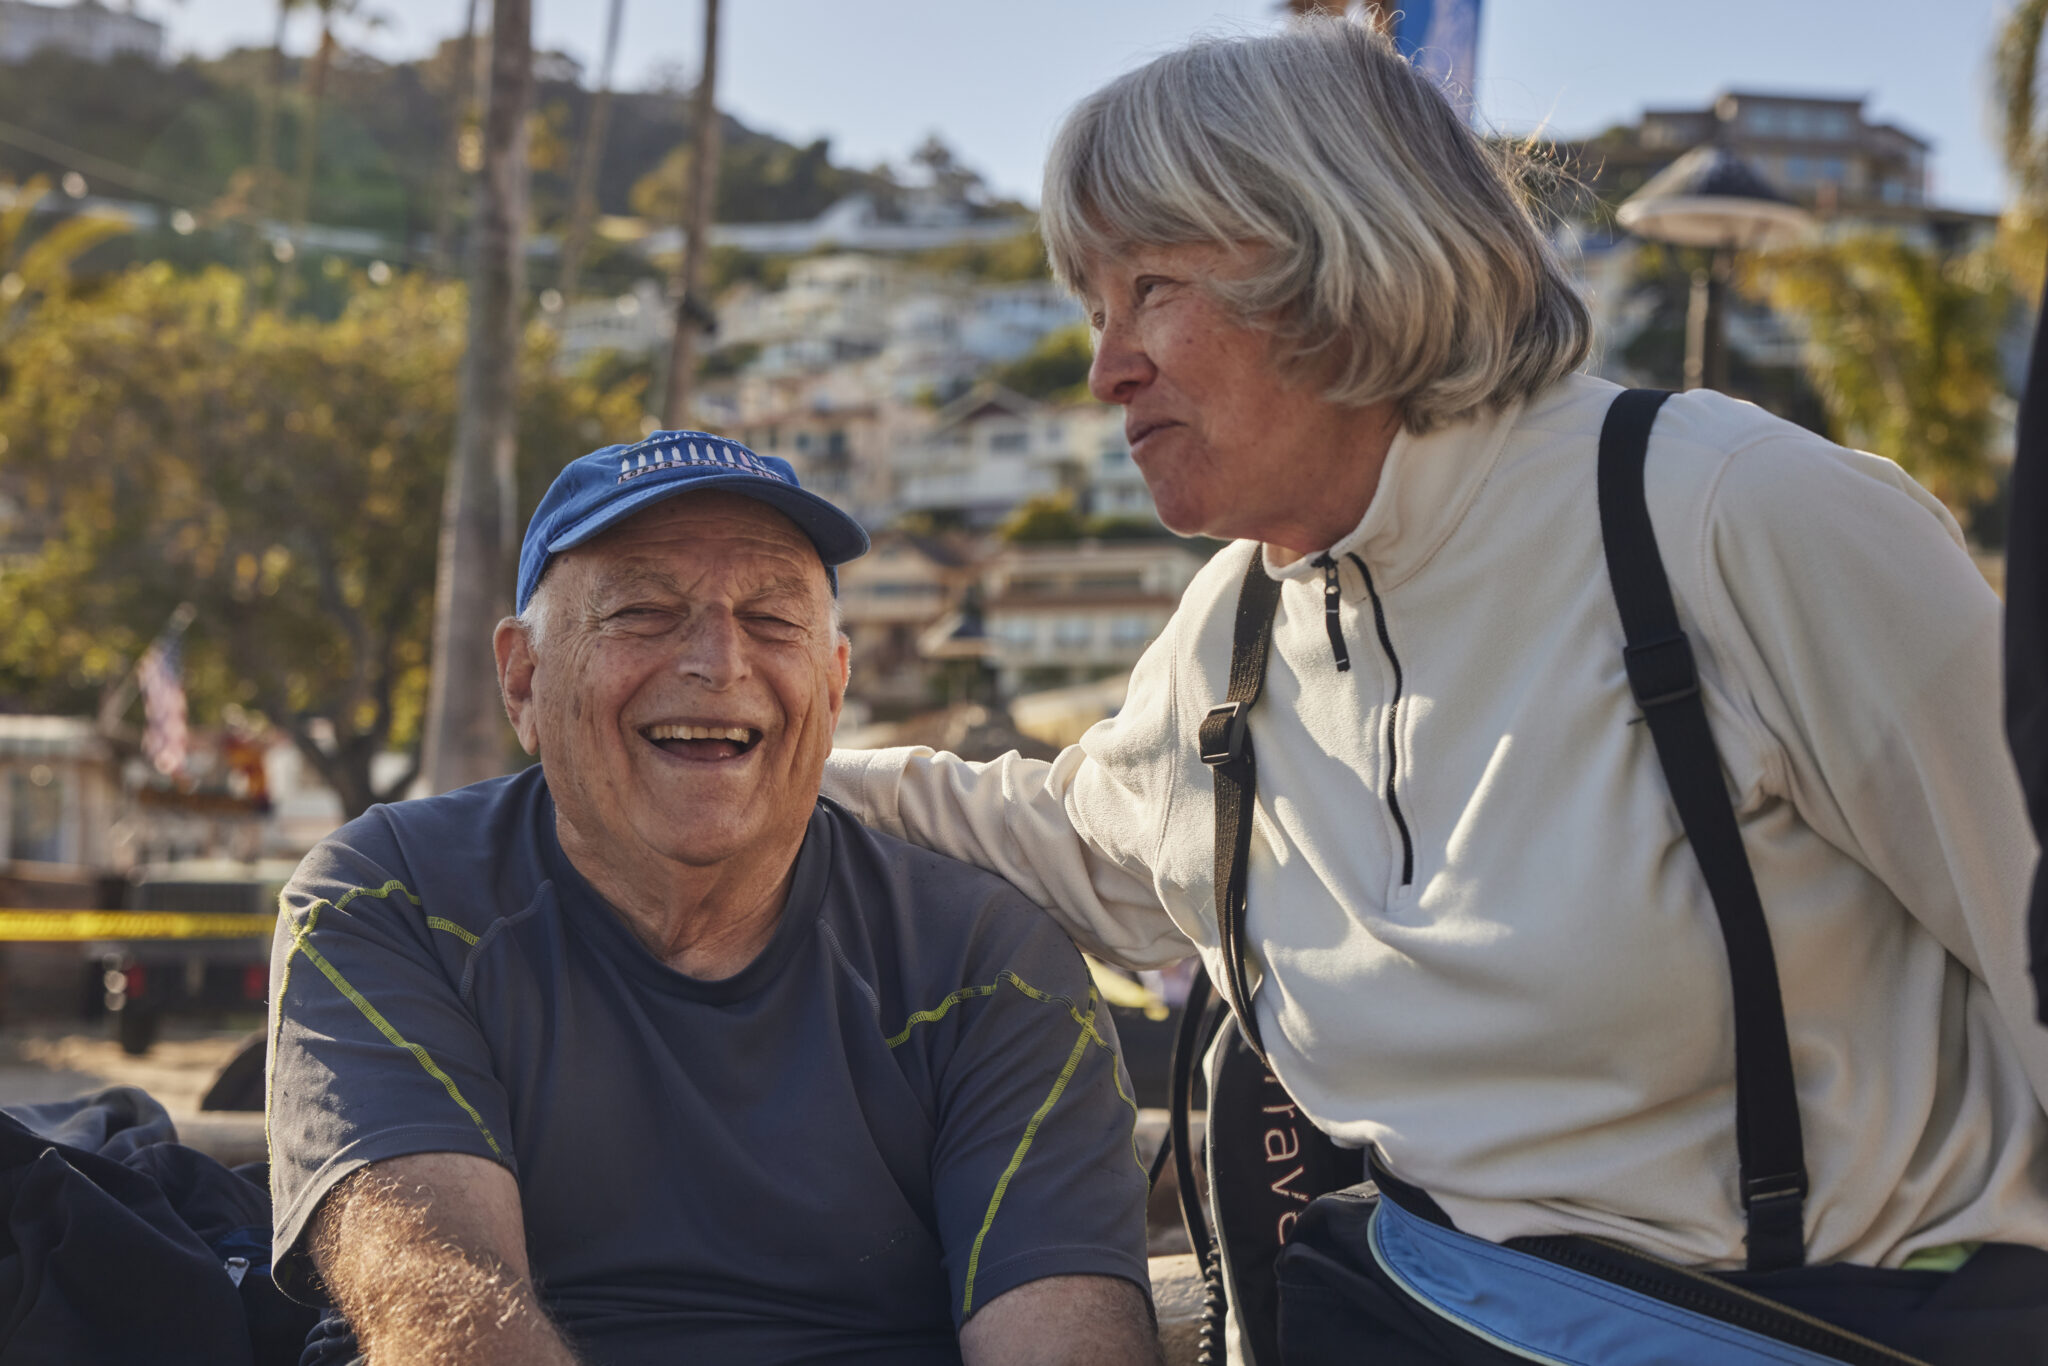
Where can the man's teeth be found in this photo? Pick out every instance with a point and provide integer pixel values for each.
(739, 735)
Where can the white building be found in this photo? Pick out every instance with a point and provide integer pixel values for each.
(991, 449)
(1064, 614)
(636, 323)
(85, 29)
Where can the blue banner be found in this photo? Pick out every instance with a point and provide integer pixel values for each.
(1442, 38)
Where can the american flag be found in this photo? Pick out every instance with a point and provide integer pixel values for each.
(163, 704)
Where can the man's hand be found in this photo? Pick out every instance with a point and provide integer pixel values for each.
(1064, 1321)
(426, 1255)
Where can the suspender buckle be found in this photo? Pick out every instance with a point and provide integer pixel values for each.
(1661, 671)
(1761, 1190)
(1223, 734)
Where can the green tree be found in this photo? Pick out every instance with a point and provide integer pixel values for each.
(1013, 260)
(37, 266)
(1056, 368)
(170, 443)
(1049, 518)
(2015, 67)
(1902, 343)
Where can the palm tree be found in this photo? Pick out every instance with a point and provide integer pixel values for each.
(1902, 343)
(472, 589)
(265, 201)
(309, 119)
(463, 97)
(691, 314)
(583, 204)
(2015, 64)
(40, 268)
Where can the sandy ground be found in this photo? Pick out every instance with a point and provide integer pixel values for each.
(54, 1062)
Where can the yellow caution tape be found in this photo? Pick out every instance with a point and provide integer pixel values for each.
(1120, 990)
(78, 926)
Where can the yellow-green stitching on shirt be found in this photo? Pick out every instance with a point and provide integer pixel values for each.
(1024, 1146)
(370, 1012)
(385, 1027)
(435, 922)
(284, 980)
(1087, 1023)
(940, 1011)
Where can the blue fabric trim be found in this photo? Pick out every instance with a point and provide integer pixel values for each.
(1546, 1313)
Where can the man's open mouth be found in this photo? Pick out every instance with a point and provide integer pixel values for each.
(703, 743)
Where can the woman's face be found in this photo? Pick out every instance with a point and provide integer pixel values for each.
(1229, 447)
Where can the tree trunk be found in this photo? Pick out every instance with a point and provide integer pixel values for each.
(309, 151)
(460, 100)
(691, 312)
(584, 203)
(465, 737)
(263, 193)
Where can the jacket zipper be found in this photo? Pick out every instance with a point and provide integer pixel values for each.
(1379, 618)
(1333, 602)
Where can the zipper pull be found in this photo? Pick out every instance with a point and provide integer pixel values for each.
(1333, 599)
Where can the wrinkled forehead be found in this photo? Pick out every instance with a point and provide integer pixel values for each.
(713, 536)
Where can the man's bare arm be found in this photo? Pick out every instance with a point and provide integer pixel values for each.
(1064, 1321)
(426, 1255)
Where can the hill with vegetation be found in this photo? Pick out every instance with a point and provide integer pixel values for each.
(186, 136)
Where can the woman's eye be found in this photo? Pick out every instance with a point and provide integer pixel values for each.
(1146, 284)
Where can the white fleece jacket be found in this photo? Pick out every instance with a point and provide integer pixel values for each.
(1483, 942)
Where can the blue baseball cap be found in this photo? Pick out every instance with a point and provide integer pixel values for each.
(607, 486)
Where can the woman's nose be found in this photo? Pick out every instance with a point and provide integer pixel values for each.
(1120, 367)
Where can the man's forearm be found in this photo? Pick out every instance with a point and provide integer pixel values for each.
(1064, 1321)
(421, 1292)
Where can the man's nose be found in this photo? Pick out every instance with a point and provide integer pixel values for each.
(1120, 367)
(712, 649)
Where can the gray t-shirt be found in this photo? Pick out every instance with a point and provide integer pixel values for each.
(909, 1103)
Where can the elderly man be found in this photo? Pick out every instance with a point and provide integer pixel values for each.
(647, 1054)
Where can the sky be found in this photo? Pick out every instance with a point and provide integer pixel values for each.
(877, 76)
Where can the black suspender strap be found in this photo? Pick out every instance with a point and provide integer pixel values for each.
(1662, 675)
(1226, 740)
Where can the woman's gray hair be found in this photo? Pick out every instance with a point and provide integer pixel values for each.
(1399, 260)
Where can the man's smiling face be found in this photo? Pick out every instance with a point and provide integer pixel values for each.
(684, 685)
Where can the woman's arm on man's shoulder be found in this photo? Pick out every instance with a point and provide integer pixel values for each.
(1079, 835)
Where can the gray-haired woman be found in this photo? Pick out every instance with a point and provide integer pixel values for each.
(1481, 945)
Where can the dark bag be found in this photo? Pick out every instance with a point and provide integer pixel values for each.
(1377, 1273)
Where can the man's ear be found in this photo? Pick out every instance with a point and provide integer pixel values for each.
(842, 671)
(515, 681)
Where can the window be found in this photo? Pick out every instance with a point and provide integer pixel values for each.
(35, 827)
(1018, 632)
(1073, 632)
(1009, 442)
(1834, 170)
(1130, 630)
(1834, 123)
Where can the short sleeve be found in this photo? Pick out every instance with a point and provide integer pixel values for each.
(373, 1054)
(1035, 1172)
